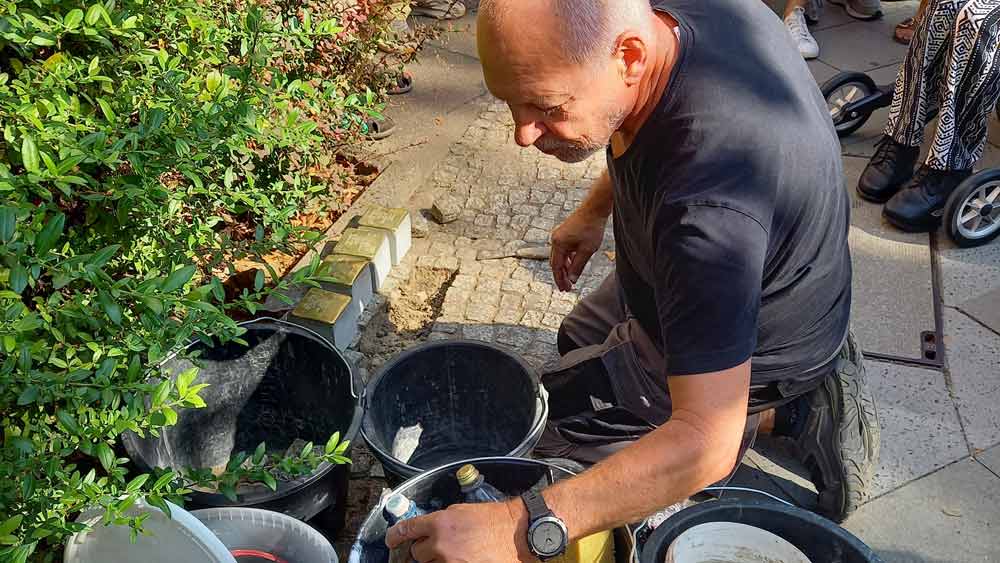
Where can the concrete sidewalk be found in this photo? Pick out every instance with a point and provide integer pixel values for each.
(937, 489)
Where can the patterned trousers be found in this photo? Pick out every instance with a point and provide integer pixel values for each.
(952, 65)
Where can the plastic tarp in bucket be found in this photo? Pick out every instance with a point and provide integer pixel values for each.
(438, 489)
(459, 399)
(819, 539)
(289, 383)
(255, 535)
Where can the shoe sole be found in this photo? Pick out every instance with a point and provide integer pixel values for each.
(856, 14)
(911, 227)
(856, 439)
(868, 197)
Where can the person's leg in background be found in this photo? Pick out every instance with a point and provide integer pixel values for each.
(798, 14)
(905, 29)
(915, 96)
(865, 10)
(970, 85)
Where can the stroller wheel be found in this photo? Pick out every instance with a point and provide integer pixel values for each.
(972, 214)
(843, 89)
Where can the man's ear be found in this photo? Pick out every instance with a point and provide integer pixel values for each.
(632, 55)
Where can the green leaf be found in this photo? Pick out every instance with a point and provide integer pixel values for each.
(43, 40)
(258, 280)
(111, 308)
(68, 422)
(73, 18)
(11, 524)
(270, 481)
(181, 147)
(154, 304)
(164, 479)
(217, 290)
(258, 454)
(29, 154)
(178, 278)
(9, 343)
(102, 256)
(106, 456)
(94, 14)
(184, 380)
(213, 81)
(307, 449)
(135, 484)
(8, 220)
(27, 396)
(106, 108)
(49, 234)
(170, 415)
(331, 444)
(229, 177)
(229, 491)
(161, 393)
(18, 278)
(94, 67)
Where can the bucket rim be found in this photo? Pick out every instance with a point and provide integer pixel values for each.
(649, 554)
(428, 474)
(258, 494)
(531, 436)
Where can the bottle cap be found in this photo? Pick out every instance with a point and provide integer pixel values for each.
(397, 505)
(467, 475)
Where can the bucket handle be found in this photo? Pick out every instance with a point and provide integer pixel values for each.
(748, 490)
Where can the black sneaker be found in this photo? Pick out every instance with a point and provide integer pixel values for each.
(918, 206)
(836, 431)
(890, 167)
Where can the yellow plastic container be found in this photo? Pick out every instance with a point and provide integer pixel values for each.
(597, 548)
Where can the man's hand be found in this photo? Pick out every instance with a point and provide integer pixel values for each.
(467, 533)
(573, 243)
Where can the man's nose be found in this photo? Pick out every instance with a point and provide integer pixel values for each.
(526, 134)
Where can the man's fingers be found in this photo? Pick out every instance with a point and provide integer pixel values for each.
(557, 261)
(576, 266)
(423, 551)
(409, 530)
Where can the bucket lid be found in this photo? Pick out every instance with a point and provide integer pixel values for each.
(169, 539)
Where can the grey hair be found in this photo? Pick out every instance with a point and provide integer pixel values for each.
(587, 28)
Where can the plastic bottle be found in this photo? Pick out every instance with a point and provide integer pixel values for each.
(398, 508)
(474, 486)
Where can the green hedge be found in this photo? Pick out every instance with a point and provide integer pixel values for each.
(147, 146)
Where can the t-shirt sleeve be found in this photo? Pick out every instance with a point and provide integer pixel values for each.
(710, 261)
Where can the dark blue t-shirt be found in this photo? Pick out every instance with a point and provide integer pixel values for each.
(731, 217)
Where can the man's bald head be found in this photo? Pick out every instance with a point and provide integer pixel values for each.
(582, 30)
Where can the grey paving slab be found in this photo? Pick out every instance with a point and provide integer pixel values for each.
(985, 309)
(991, 459)
(949, 516)
(919, 427)
(458, 36)
(973, 357)
(821, 71)
(857, 46)
(967, 273)
(892, 300)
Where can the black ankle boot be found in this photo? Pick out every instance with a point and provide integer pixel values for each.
(890, 167)
(917, 207)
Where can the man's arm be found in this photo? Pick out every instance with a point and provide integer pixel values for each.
(580, 235)
(698, 446)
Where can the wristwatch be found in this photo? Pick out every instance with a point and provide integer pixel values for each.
(547, 535)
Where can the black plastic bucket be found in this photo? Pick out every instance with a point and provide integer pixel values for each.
(438, 489)
(819, 539)
(471, 399)
(289, 383)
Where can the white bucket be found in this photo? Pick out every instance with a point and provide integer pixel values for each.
(263, 535)
(730, 542)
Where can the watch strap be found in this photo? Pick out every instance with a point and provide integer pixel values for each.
(535, 503)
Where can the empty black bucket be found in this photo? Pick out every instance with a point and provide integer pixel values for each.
(438, 489)
(289, 383)
(470, 399)
(819, 539)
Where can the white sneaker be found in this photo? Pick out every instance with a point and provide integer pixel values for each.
(795, 22)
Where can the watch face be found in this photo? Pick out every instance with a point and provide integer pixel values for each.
(547, 538)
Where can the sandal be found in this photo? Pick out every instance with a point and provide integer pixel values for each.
(904, 31)
(404, 83)
(379, 128)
